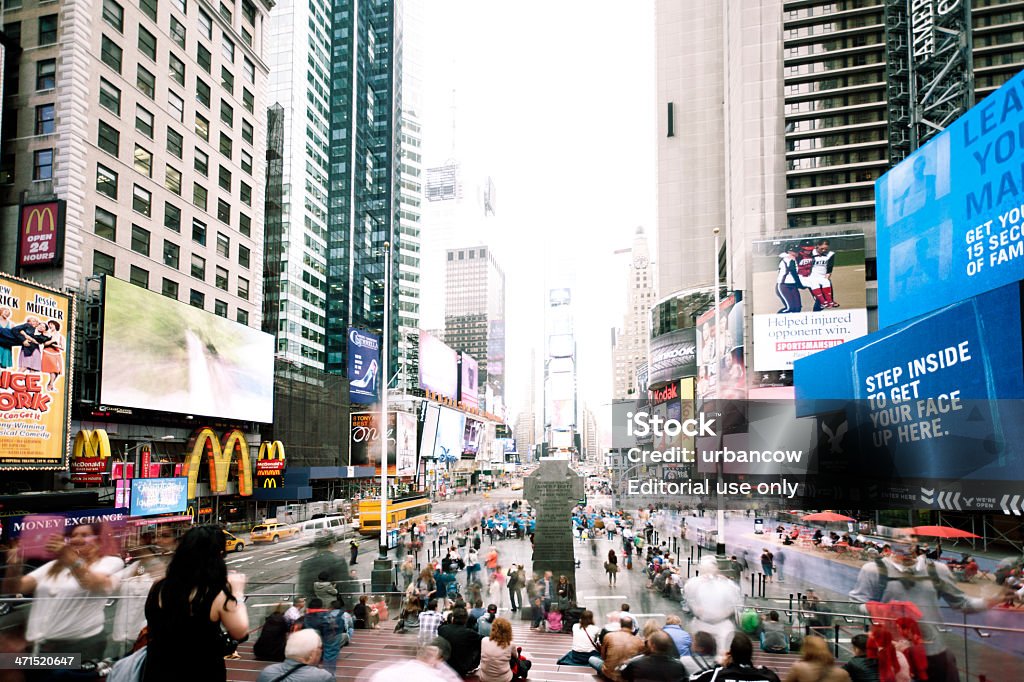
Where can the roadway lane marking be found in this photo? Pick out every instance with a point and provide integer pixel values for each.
(284, 558)
(238, 561)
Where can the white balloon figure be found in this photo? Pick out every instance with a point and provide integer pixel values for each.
(713, 599)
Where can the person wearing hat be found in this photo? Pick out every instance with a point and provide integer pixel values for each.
(787, 280)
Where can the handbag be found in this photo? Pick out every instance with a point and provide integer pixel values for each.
(130, 668)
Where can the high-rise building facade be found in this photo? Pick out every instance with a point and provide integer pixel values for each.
(475, 312)
(149, 120)
(561, 404)
(407, 255)
(630, 343)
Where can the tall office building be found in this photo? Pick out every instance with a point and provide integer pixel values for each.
(561, 422)
(474, 320)
(148, 119)
(630, 342)
(590, 437)
(407, 255)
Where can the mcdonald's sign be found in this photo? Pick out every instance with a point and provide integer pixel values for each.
(91, 444)
(270, 464)
(219, 455)
(41, 231)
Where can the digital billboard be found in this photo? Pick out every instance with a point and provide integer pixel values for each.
(673, 356)
(40, 234)
(163, 355)
(364, 442)
(438, 366)
(472, 434)
(949, 218)
(153, 496)
(35, 363)
(363, 366)
(469, 391)
(808, 294)
(720, 365)
(449, 436)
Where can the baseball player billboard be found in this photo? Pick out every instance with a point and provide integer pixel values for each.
(808, 294)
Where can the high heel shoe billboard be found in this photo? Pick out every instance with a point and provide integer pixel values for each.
(363, 366)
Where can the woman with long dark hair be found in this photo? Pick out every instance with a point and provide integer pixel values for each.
(187, 610)
(611, 567)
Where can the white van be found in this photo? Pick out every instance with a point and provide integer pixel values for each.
(335, 525)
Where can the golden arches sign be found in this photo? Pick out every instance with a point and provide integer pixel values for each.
(221, 453)
(270, 482)
(271, 450)
(91, 443)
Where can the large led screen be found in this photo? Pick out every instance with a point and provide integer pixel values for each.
(469, 391)
(159, 354)
(439, 366)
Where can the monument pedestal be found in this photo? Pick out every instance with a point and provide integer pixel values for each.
(553, 490)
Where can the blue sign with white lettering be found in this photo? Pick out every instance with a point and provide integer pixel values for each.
(363, 366)
(950, 217)
(152, 496)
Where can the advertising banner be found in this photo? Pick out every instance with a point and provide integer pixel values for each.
(949, 218)
(164, 355)
(673, 356)
(365, 442)
(40, 234)
(449, 433)
(469, 392)
(363, 366)
(35, 363)
(35, 531)
(88, 469)
(269, 473)
(154, 496)
(439, 367)
(471, 438)
(720, 369)
(808, 294)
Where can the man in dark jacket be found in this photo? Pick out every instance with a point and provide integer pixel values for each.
(659, 662)
(465, 643)
(739, 666)
(860, 667)
(325, 560)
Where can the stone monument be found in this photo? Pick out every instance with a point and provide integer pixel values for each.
(553, 490)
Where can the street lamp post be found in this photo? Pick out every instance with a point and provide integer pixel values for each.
(380, 577)
(720, 543)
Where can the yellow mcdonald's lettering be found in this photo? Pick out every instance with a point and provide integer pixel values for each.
(221, 456)
(42, 219)
(271, 450)
(270, 482)
(89, 443)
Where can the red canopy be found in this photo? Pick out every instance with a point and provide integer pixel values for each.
(827, 516)
(942, 532)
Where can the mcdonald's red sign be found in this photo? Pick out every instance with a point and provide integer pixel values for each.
(41, 230)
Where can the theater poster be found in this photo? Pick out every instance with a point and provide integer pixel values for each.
(35, 363)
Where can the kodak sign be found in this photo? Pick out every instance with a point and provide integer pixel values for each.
(219, 454)
(39, 234)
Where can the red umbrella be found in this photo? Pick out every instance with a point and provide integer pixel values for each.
(828, 517)
(942, 532)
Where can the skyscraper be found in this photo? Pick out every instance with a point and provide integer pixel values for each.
(630, 342)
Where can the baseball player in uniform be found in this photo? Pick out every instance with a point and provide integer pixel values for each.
(787, 281)
(819, 281)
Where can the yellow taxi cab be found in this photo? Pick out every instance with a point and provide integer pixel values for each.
(232, 544)
(517, 485)
(272, 531)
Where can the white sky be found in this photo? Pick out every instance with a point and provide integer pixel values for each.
(556, 101)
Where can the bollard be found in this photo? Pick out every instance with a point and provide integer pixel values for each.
(752, 585)
(699, 549)
(836, 640)
(689, 563)
(691, 552)
(790, 607)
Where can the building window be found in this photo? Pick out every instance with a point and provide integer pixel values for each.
(199, 195)
(110, 97)
(223, 245)
(203, 92)
(147, 43)
(140, 240)
(142, 201)
(249, 12)
(148, 8)
(247, 131)
(146, 82)
(227, 80)
(109, 138)
(225, 145)
(223, 211)
(169, 289)
(242, 316)
(176, 68)
(227, 48)
(246, 36)
(113, 14)
(220, 308)
(46, 74)
(203, 57)
(171, 254)
(42, 164)
(143, 161)
(144, 122)
(178, 33)
(243, 256)
(203, 127)
(206, 24)
(225, 12)
(243, 288)
(105, 224)
(180, 5)
(247, 162)
(245, 193)
(199, 232)
(221, 278)
(248, 101)
(172, 180)
(48, 29)
(227, 113)
(198, 266)
(139, 277)
(250, 70)
(172, 217)
(110, 54)
(46, 123)
(106, 181)
(201, 162)
(175, 143)
(177, 106)
(197, 299)
(245, 224)
(224, 178)
(102, 263)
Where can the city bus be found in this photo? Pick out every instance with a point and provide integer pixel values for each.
(402, 510)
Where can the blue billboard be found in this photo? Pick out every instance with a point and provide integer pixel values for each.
(933, 397)
(153, 496)
(950, 217)
(363, 366)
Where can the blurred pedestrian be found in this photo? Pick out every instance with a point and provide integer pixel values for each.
(353, 551)
(816, 664)
(611, 567)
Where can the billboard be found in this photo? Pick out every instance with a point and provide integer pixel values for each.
(471, 436)
(808, 294)
(949, 220)
(363, 366)
(469, 391)
(720, 369)
(365, 442)
(439, 367)
(673, 356)
(35, 363)
(153, 496)
(443, 434)
(40, 234)
(163, 355)
(560, 296)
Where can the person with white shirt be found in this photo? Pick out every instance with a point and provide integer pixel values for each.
(584, 641)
